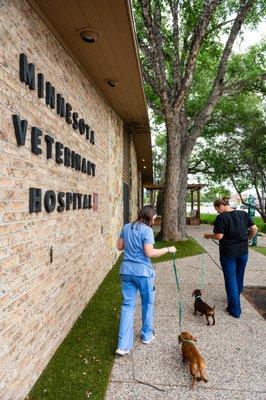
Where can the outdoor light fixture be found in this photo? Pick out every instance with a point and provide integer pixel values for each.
(89, 36)
(144, 167)
(143, 159)
(112, 82)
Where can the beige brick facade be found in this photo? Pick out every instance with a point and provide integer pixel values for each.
(40, 300)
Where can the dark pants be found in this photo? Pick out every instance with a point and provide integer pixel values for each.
(233, 269)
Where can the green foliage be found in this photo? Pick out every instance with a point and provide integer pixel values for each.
(207, 218)
(187, 68)
(248, 66)
(260, 224)
(234, 145)
(243, 74)
(241, 66)
(215, 192)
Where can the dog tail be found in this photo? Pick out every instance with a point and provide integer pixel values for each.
(201, 373)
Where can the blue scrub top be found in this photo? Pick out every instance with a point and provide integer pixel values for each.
(135, 262)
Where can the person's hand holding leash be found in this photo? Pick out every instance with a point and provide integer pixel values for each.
(217, 236)
(172, 249)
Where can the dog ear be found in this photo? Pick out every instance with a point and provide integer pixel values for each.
(193, 294)
(179, 339)
(193, 338)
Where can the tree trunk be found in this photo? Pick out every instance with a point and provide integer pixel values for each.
(174, 212)
(160, 202)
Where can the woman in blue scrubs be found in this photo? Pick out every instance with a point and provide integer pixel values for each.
(137, 274)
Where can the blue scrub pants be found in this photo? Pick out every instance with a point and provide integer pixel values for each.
(131, 284)
(233, 269)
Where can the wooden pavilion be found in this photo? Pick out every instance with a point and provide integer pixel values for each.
(194, 216)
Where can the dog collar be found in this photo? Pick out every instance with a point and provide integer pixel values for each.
(186, 340)
(197, 297)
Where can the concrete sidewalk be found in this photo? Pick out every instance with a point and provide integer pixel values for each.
(234, 349)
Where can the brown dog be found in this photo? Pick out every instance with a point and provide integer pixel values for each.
(203, 308)
(191, 354)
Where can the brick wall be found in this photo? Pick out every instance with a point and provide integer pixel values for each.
(40, 300)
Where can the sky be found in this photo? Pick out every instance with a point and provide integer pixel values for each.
(250, 37)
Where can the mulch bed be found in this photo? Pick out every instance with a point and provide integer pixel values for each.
(256, 295)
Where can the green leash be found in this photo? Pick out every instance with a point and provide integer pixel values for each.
(177, 279)
(176, 275)
(180, 306)
(202, 269)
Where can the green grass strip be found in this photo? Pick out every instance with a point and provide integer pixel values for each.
(185, 248)
(81, 366)
(259, 249)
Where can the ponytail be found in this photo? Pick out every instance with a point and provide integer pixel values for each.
(224, 201)
(146, 215)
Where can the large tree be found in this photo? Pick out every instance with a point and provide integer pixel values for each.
(235, 151)
(183, 60)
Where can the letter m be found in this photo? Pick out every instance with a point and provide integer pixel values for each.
(26, 71)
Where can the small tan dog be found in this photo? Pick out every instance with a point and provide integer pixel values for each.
(191, 354)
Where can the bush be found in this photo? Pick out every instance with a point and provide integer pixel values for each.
(207, 218)
(210, 218)
(260, 224)
(263, 228)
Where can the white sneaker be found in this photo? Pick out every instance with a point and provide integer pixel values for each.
(149, 341)
(121, 352)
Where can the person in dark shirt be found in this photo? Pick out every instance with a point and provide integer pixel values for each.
(233, 229)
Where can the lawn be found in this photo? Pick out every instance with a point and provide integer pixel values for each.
(259, 249)
(185, 248)
(81, 366)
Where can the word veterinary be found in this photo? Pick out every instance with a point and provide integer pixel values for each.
(63, 109)
(62, 154)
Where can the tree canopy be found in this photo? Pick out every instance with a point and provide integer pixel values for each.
(235, 150)
(187, 64)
